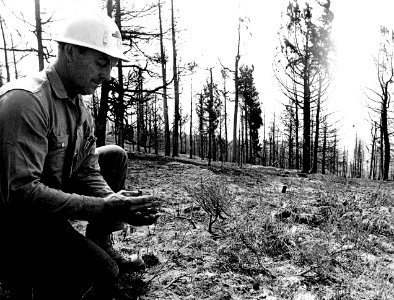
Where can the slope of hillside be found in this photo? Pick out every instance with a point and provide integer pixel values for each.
(258, 233)
(278, 234)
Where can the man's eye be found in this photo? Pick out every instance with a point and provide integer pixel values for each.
(102, 64)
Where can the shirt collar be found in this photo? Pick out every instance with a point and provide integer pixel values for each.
(58, 87)
(56, 83)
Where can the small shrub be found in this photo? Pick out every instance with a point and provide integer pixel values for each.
(214, 198)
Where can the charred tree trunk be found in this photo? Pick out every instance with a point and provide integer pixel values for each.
(120, 111)
(317, 129)
(323, 163)
(225, 123)
(39, 35)
(101, 121)
(175, 135)
(139, 111)
(201, 127)
(247, 156)
(7, 66)
(306, 155)
(210, 125)
(167, 143)
(237, 58)
(291, 144)
(155, 127)
(372, 165)
(191, 121)
(386, 140)
(14, 58)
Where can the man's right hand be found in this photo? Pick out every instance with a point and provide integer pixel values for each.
(135, 210)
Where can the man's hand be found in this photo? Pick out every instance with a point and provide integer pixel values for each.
(130, 207)
(129, 193)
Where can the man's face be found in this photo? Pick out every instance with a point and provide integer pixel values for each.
(89, 69)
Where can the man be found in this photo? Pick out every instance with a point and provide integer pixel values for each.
(51, 172)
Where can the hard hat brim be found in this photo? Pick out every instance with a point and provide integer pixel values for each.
(93, 30)
(117, 54)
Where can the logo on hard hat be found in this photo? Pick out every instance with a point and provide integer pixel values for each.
(117, 35)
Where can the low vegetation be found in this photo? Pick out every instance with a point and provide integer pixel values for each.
(230, 233)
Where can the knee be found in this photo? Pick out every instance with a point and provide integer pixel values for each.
(117, 150)
(122, 154)
(119, 154)
(107, 273)
(105, 284)
(112, 272)
(113, 153)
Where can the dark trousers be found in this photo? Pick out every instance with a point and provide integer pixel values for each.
(54, 260)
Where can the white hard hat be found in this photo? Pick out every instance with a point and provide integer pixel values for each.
(93, 30)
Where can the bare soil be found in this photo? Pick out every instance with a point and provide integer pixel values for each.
(285, 235)
(279, 234)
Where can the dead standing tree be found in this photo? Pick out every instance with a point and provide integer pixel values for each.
(236, 93)
(379, 101)
(119, 95)
(303, 55)
(191, 121)
(163, 61)
(7, 68)
(201, 124)
(175, 135)
(102, 114)
(20, 52)
(224, 92)
(39, 35)
(237, 58)
(120, 106)
(252, 113)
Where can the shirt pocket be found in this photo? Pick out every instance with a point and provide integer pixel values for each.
(58, 143)
(55, 160)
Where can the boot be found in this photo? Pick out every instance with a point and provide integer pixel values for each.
(105, 242)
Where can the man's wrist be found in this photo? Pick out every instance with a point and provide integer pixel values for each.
(92, 208)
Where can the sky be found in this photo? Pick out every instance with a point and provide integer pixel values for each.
(355, 34)
(209, 34)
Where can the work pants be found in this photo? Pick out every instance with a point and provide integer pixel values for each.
(51, 260)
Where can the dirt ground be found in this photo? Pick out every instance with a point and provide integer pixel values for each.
(283, 235)
(274, 234)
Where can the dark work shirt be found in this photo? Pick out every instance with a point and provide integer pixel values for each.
(46, 147)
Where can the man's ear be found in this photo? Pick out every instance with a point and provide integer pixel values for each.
(70, 52)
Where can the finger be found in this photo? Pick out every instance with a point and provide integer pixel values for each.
(146, 212)
(143, 202)
(151, 219)
(141, 199)
(144, 207)
(130, 193)
(154, 203)
(151, 211)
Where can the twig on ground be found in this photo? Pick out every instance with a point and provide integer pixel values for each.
(175, 280)
(187, 219)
